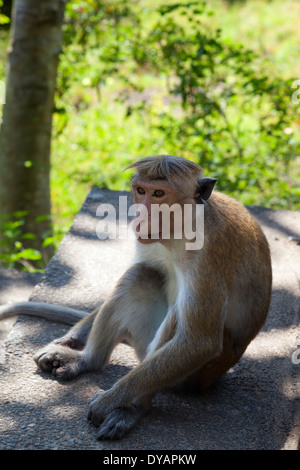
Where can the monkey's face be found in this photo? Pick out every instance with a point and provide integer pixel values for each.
(154, 219)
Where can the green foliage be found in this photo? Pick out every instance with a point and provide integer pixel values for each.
(3, 18)
(236, 118)
(136, 80)
(14, 250)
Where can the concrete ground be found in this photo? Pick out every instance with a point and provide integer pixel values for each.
(15, 286)
(254, 406)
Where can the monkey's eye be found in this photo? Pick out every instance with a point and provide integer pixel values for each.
(158, 193)
(140, 190)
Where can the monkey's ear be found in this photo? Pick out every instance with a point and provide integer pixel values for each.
(205, 188)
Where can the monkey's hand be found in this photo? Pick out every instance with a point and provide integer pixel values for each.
(114, 421)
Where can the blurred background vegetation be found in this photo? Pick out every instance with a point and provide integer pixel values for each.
(210, 81)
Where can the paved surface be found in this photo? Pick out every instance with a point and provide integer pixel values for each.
(255, 406)
(15, 286)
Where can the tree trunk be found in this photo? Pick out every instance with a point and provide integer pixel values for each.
(25, 135)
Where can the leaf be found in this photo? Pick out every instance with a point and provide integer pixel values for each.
(29, 253)
(48, 241)
(29, 236)
(20, 214)
(41, 218)
(4, 19)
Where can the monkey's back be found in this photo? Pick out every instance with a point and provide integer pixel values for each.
(231, 228)
(239, 248)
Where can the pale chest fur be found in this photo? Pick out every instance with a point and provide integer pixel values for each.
(166, 261)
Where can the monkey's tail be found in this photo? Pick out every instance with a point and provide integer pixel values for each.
(57, 313)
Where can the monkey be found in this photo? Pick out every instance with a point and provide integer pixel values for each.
(188, 314)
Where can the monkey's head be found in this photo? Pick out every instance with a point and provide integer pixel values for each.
(161, 182)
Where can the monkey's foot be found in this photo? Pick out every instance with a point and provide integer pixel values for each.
(61, 361)
(100, 407)
(114, 421)
(72, 343)
(119, 422)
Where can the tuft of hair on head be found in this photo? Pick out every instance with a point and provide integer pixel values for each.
(175, 170)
